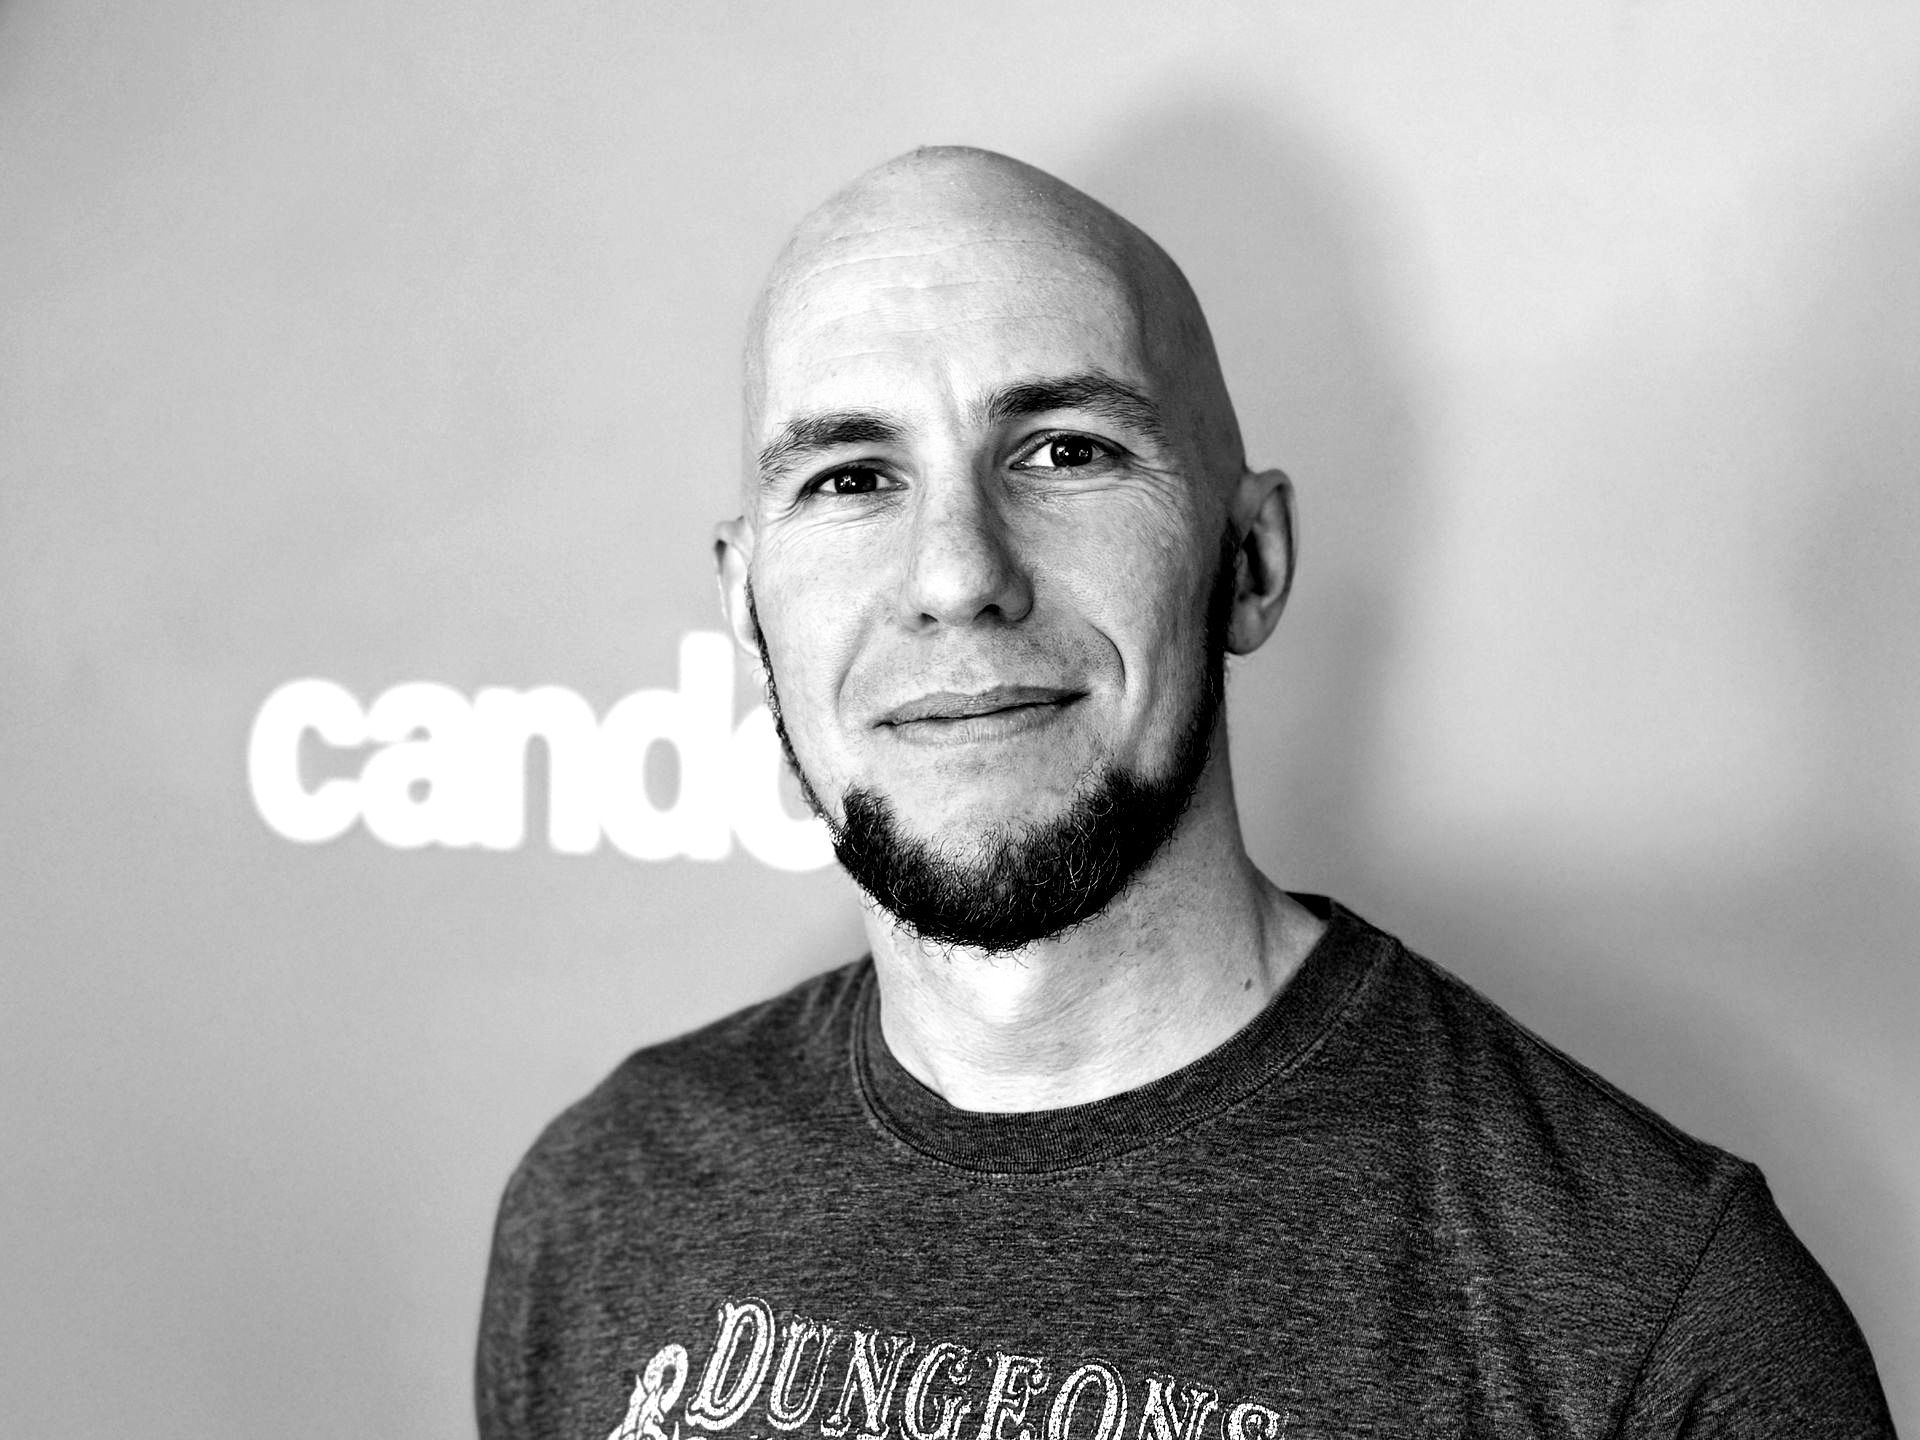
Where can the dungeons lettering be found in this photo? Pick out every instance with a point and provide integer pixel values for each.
(766, 1376)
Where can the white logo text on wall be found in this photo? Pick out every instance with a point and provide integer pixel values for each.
(452, 771)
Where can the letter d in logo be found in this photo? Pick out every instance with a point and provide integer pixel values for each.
(697, 720)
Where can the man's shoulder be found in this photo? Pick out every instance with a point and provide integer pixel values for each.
(704, 1091)
(1601, 1203)
(764, 1047)
(1534, 1132)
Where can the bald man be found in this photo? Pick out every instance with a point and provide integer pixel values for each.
(1109, 1138)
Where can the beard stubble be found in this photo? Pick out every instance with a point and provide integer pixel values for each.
(1025, 882)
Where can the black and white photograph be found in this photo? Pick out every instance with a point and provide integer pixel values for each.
(980, 722)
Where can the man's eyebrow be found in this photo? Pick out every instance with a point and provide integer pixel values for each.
(1094, 391)
(806, 435)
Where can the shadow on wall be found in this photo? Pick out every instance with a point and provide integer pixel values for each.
(1857, 595)
(1762, 993)
(1767, 1007)
(1281, 248)
(1856, 586)
(1774, 1005)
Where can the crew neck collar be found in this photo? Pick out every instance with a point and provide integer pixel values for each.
(1043, 1141)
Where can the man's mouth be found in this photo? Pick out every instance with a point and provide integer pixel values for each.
(947, 716)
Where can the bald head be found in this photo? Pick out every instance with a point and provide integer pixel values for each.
(998, 537)
(942, 237)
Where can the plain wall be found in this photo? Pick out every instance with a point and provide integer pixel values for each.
(397, 342)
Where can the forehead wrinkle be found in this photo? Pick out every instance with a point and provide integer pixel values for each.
(818, 296)
(1109, 319)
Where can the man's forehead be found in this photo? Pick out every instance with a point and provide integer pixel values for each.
(945, 276)
(958, 337)
(921, 310)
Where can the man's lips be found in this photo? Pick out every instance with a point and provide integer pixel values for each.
(949, 705)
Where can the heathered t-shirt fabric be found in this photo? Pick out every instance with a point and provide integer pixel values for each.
(1382, 1209)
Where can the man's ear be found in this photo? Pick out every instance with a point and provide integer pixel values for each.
(732, 553)
(1263, 512)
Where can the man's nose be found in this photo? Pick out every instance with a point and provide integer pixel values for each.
(963, 563)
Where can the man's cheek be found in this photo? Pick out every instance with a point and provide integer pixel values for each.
(821, 742)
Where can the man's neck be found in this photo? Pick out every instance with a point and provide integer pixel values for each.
(1192, 950)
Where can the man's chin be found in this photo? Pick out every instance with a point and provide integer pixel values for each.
(1001, 886)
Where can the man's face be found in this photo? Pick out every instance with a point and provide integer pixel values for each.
(982, 542)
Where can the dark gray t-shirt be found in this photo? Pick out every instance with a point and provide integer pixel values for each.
(1382, 1209)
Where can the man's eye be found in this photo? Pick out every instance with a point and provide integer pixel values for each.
(848, 480)
(1065, 452)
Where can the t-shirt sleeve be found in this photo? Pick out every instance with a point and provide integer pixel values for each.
(1758, 1343)
(503, 1386)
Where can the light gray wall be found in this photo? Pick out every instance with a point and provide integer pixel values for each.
(388, 343)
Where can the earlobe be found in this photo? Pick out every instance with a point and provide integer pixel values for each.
(1266, 555)
(732, 555)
